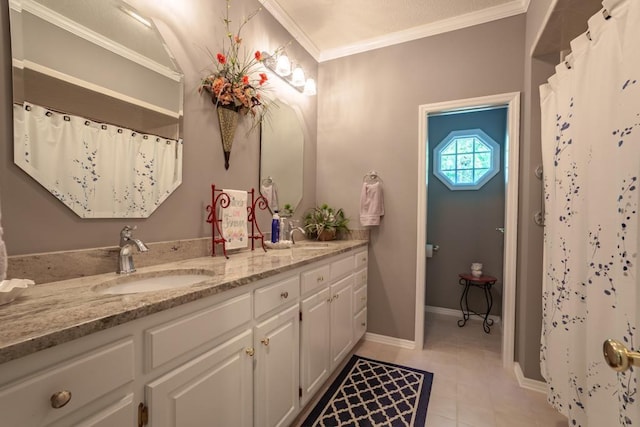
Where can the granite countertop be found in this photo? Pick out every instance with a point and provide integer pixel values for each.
(54, 313)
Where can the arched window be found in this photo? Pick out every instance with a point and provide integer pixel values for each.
(466, 159)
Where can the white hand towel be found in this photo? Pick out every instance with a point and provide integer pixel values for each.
(371, 203)
(270, 193)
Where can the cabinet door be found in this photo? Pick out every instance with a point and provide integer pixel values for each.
(214, 389)
(341, 319)
(277, 343)
(315, 345)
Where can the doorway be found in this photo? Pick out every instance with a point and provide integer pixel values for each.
(509, 164)
(465, 214)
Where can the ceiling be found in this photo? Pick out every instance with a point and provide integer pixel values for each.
(330, 29)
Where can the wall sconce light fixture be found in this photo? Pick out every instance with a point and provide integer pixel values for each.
(281, 66)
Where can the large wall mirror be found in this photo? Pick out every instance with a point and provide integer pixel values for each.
(97, 103)
(282, 156)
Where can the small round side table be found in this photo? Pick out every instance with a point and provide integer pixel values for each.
(483, 282)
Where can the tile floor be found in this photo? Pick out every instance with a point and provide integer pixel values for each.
(470, 387)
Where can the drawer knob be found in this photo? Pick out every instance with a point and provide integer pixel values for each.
(265, 341)
(284, 295)
(329, 300)
(320, 278)
(250, 351)
(60, 398)
(363, 324)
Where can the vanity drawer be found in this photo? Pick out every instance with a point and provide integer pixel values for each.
(359, 299)
(315, 278)
(359, 325)
(276, 295)
(342, 267)
(88, 377)
(362, 258)
(172, 339)
(361, 278)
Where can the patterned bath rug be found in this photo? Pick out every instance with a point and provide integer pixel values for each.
(372, 393)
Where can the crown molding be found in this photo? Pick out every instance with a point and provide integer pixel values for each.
(292, 27)
(93, 37)
(463, 21)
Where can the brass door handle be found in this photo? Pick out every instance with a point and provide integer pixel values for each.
(265, 341)
(284, 295)
(250, 351)
(618, 356)
(60, 398)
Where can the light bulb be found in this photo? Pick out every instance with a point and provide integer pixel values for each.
(297, 79)
(310, 87)
(283, 66)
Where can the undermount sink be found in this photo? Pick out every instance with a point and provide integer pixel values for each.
(153, 281)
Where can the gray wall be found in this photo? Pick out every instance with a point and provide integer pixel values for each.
(368, 120)
(34, 221)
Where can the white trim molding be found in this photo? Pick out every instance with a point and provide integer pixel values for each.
(483, 16)
(383, 339)
(91, 36)
(512, 102)
(292, 27)
(529, 384)
(504, 10)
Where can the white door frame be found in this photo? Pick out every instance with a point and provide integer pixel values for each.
(512, 101)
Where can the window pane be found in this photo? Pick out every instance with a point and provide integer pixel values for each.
(481, 146)
(465, 145)
(482, 160)
(449, 149)
(447, 162)
(451, 175)
(464, 177)
(479, 173)
(465, 161)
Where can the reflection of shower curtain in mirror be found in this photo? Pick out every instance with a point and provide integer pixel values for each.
(97, 170)
(591, 159)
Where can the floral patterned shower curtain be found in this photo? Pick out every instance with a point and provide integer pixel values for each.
(591, 160)
(98, 170)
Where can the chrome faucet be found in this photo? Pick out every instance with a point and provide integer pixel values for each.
(127, 242)
(294, 229)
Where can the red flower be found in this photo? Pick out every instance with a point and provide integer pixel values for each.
(258, 55)
(263, 78)
(245, 80)
(221, 58)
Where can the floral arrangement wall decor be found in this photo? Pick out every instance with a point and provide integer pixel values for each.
(236, 83)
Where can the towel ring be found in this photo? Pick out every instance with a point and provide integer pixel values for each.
(371, 177)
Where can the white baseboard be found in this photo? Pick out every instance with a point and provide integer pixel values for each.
(456, 313)
(529, 384)
(383, 339)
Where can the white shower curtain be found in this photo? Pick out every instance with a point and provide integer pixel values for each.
(591, 160)
(98, 170)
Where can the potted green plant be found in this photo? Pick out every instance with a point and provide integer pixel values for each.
(323, 222)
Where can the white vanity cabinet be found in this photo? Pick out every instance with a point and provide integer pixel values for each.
(252, 355)
(277, 355)
(327, 328)
(360, 296)
(214, 389)
(84, 386)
